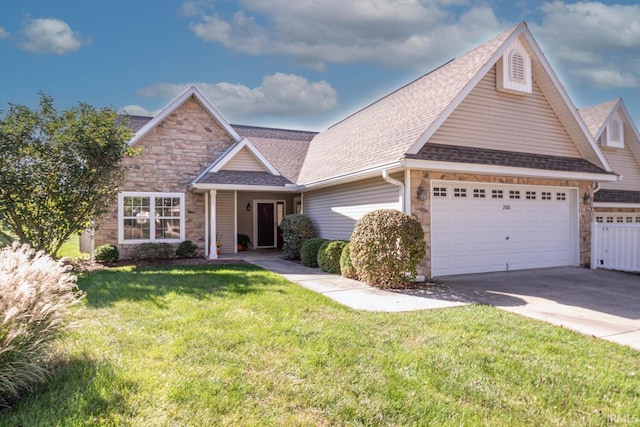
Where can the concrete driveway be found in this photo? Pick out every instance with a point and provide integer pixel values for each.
(602, 303)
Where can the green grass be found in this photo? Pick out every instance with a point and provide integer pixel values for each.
(71, 248)
(236, 345)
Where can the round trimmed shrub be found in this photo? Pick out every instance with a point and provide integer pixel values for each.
(187, 249)
(296, 228)
(309, 251)
(346, 267)
(106, 253)
(329, 255)
(386, 247)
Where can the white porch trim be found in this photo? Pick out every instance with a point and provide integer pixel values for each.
(213, 250)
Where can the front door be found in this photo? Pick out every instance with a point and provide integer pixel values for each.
(266, 224)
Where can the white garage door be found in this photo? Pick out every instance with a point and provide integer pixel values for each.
(491, 227)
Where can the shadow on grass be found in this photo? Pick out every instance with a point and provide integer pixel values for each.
(79, 391)
(152, 283)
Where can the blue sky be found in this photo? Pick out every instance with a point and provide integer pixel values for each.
(301, 64)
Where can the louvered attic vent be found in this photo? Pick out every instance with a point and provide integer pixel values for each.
(514, 70)
(614, 136)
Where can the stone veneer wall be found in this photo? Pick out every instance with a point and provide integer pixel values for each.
(421, 210)
(173, 154)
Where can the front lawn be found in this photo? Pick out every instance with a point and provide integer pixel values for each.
(236, 345)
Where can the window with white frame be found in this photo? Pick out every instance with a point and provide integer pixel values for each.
(150, 217)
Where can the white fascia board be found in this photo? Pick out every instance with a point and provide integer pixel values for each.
(635, 149)
(280, 189)
(175, 104)
(616, 205)
(355, 176)
(428, 133)
(506, 170)
(254, 151)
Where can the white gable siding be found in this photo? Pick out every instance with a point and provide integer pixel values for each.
(624, 163)
(225, 220)
(490, 119)
(334, 211)
(243, 161)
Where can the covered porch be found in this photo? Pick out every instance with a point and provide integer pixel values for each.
(230, 214)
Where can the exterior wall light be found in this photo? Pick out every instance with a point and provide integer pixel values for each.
(249, 207)
(422, 193)
(587, 198)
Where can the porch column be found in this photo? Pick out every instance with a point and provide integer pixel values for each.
(213, 249)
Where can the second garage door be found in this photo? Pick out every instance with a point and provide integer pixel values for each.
(477, 227)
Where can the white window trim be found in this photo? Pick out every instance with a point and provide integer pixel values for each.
(152, 196)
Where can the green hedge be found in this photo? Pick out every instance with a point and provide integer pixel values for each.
(309, 251)
(329, 255)
(296, 228)
(153, 251)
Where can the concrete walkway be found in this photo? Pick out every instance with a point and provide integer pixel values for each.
(351, 293)
(599, 303)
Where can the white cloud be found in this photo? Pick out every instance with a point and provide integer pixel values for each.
(279, 94)
(4, 34)
(395, 32)
(51, 35)
(598, 43)
(137, 110)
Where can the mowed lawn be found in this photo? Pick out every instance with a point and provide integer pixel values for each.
(236, 345)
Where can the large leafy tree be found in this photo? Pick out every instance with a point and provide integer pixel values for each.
(58, 170)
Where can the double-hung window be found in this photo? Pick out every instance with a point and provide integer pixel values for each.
(150, 217)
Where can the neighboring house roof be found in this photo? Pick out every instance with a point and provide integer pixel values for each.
(596, 116)
(627, 163)
(402, 122)
(617, 196)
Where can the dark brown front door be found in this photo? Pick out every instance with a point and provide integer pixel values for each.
(266, 225)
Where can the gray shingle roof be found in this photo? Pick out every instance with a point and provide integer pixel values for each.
(595, 116)
(451, 153)
(244, 178)
(383, 132)
(617, 196)
(285, 149)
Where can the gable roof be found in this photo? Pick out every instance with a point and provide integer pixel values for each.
(597, 119)
(192, 91)
(402, 122)
(282, 152)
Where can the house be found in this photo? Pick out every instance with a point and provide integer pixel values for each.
(619, 140)
(487, 151)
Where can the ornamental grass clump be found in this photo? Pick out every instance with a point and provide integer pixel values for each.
(35, 293)
(386, 246)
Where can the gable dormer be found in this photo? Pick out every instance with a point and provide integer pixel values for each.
(513, 70)
(614, 134)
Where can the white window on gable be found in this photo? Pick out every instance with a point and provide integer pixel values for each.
(615, 133)
(150, 217)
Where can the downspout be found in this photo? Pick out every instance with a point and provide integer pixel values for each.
(399, 184)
